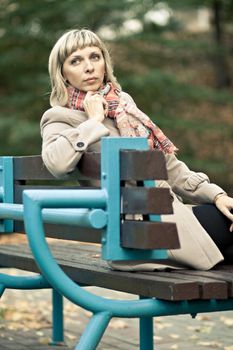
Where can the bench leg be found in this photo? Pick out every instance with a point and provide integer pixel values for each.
(146, 333)
(2, 289)
(58, 327)
(94, 331)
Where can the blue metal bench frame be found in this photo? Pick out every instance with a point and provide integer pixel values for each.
(9, 212)
(36, 203)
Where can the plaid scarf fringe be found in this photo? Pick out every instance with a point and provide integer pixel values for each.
(130, 120)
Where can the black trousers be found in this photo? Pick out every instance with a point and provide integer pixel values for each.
(217, 225)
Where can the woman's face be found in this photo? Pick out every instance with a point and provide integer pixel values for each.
(84, 69)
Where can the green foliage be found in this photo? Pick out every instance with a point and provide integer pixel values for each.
(168, 71)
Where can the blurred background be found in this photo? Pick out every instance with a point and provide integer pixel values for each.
(175, 58)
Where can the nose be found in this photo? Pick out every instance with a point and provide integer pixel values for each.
(89, 66)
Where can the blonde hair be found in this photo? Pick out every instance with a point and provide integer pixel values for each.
(64, 47)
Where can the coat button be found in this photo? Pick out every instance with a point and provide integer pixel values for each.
(80, 144)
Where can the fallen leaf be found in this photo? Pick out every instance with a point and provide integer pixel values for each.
(193, 337)
(206, 330)
(157, 338)
(227, 321)
(118, 324)
(194, 328)
(40, 334)
(44, 341)
(174, 347)
(174, 336)
(164, 325)
(71, 336)
(87, 313)
(203, 318)
(212, 344)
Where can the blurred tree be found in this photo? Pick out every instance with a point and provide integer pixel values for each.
(222, 13)
(171, 66)
(222, 69)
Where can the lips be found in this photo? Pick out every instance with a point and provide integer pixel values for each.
(91, 79)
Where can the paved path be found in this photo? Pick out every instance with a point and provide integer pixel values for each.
(25, 323)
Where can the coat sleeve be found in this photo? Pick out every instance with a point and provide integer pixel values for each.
(194, 187)
(63, 144)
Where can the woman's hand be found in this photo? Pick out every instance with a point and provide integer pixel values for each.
(225, 204)
(95, 106)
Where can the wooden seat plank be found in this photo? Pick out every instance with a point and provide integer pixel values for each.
(149, 235)
(83, 264)
(66, 232)
(142, 165)
(131, 164)
(86, 268)
(213, 274)
(210, 288)
(146, 200)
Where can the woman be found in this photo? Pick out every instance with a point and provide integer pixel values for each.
(87, 104)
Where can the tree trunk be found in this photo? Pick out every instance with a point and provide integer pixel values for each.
(221, 68)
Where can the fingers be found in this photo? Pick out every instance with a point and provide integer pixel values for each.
(93, 97)
(90, 95)
(225, 205)
(94, 106)
(226, 211)
(228, 214)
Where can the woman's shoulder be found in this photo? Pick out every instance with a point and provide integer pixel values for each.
(60, 114)
(127, 97)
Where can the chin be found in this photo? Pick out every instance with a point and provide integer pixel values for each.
(92, 87)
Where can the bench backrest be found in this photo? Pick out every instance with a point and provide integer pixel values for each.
(125, 170)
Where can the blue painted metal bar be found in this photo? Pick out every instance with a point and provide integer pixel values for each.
(60, 281)
(96, 218)
(23, 282)
(57, 316)
(2, 289)
(94, 331)
(110, 180)
(146, 332)
(69, 198)
(6, 189)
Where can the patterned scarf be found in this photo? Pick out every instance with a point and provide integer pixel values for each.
(130, 121)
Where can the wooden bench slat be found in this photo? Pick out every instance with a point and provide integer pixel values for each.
(132, 165)
(89, 165)
(29, 168)
(32, 167)
(143, 165)
(149, 235)
(146, 200)
(86, 268)
(216, 275)
(18, 190)
(210, 288)
(72, 233)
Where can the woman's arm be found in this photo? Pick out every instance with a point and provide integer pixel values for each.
(192, 186)
(63, 143)
(196, 187)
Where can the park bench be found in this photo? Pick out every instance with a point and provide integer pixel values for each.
(94, 225)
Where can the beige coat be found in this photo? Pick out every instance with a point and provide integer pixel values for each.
(68, 133)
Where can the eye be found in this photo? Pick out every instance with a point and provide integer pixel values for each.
(75, 60)
(95, 56)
